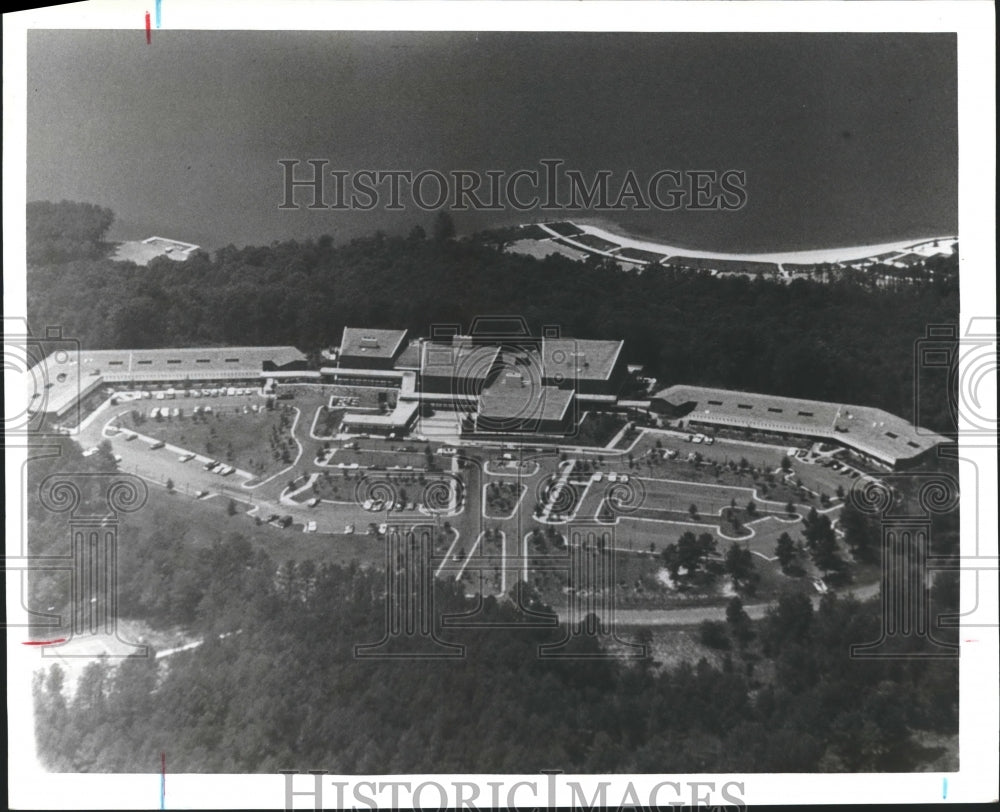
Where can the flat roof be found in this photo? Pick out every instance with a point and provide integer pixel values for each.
(508, 399)
(400, 416)
(869, 430)
(580, 359)
(409, 358)
(63, 376)
(362, 341)
(459, 358)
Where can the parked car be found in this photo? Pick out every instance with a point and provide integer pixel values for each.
(156, 445)
(313, 502)
(186, 457)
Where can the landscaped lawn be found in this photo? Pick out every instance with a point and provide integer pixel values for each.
(501, 499)
(258, 442)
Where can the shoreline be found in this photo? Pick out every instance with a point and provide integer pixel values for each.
(814, 256)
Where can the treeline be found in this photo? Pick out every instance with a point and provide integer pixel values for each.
(65, 231)
(285, 690)
(277, 683)
(843, 341)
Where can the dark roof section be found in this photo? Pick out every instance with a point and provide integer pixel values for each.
(516, 397)
(460, 358)
(364, 342)
(580, 359)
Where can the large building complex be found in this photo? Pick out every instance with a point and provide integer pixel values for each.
(494, 385)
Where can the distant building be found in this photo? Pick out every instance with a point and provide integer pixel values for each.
(144, 251)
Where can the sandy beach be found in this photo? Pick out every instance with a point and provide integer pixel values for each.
(852, 253)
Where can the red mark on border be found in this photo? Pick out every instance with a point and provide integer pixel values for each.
(43, 642)
(149, 30)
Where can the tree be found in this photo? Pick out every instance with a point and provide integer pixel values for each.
(693, 510)
(713, 634)
(740, 567)
(170, 485)
(689, 552)
(786, 464)
(444, 227)
(739, 621)
(860, 533)
(785, 551)
(231, 508)
(825, 554)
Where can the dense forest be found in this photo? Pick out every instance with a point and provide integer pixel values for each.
(845, 341)
(276, 684)
(284, 690)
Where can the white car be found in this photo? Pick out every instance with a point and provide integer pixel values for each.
(623, 478)
(90, 452)
(612, 477)
(446, 451)
(382, 528)
(697, 438)
(820, 587)
(313, 502)
(185, 457)
(598, 476)
(367, 504)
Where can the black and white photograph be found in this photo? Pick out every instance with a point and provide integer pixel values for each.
(500, 405)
